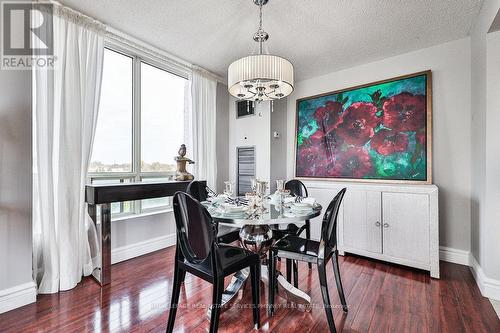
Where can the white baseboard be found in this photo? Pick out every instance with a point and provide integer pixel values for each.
(489, 287)
(17, 296)
(496, 306)
(138, 249)
(455, 256)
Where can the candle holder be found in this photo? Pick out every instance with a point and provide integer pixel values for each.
(256, 197)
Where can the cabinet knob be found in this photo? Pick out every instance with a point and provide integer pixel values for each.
(377, 224)
(386, 225)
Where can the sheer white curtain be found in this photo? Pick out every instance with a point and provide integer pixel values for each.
(201, 125)
(66, 102)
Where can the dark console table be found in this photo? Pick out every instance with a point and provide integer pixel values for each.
(103, 196)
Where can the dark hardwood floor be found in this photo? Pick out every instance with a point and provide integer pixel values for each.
(381, 298)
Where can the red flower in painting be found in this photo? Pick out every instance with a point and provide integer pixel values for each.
(358, 123)
(421, 138)
(317, 137)
(387, 142)
(311, 160)
(328, 116)
(404, 112)
(353, 163)
(329, 141)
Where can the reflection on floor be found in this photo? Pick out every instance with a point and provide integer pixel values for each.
(381, 297)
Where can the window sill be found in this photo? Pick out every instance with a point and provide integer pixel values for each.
(143, 214)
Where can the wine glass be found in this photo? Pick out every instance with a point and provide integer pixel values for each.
(253, 184)
(228, 189)
(280, 185)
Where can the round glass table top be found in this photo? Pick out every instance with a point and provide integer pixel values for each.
(271, 215)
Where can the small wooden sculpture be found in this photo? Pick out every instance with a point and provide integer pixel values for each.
(181, 173)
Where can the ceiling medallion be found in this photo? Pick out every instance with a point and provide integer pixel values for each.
(260, 77)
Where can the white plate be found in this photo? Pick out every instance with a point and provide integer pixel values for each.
(301, 212)
(233, 216)
(230, 208)
(301, 209)
(218, 199)
(302, 205)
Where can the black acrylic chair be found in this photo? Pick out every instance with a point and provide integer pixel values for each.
(298, 189)
(198, 190)
(296, 248)
(198, 253)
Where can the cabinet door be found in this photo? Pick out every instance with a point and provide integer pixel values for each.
(362, 220)
(406, 226)
(323, 197)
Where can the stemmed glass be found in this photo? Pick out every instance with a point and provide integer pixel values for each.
(253, 184)
(280, 185)
(281, 192)
(228, 189)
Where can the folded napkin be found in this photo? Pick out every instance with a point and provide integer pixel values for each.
(308, 200)
(237, 201)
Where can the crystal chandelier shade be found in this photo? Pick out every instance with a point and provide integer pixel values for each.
(260, 77)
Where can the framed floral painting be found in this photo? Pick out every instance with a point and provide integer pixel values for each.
(375, 132)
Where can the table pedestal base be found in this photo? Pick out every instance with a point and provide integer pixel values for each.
(240, 280)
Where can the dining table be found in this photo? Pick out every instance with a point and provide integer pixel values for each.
(256, 235)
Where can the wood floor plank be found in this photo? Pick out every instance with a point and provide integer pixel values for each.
(367, 309)
(381, 298)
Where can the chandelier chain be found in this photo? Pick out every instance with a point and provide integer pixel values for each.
(260, 27)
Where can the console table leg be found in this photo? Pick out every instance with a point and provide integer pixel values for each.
(105, 244)
(102, 274)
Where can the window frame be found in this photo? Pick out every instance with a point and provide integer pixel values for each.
(139, 55)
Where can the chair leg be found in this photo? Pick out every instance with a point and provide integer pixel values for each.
(272, 282)
(338, 281)
(289, 270)
(308, 236)
(183, 276)
(218, 288)
(326, 296)
(295, 274)
(178, 279)
(255, 277)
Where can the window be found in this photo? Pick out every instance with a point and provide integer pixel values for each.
(162, 118)
(113, 138)
(139, 128)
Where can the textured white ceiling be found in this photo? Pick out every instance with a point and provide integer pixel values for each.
(317, 36)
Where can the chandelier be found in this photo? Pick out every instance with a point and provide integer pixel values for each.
(260, 77)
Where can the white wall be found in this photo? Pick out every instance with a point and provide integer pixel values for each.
(485, 85)
(222, 136)
(15, 188)
(251, 131)
(258, 131)
(492, 235)
(450, 63)
(278, 145)
(136, 236)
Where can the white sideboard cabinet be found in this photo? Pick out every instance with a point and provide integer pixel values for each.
(396, 223)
